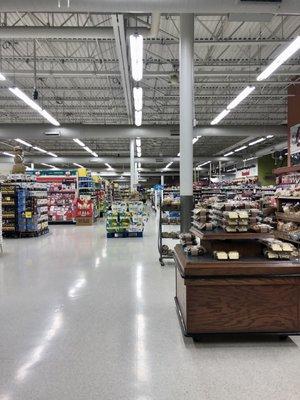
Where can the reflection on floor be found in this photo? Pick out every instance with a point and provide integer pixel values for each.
(84, 318)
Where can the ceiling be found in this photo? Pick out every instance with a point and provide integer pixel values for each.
(84, 80)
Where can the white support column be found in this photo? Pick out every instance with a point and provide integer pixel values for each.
(186, 68)
(132, 171)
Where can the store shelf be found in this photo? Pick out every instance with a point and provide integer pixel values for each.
(288, 198)
(221, 235)
(285, 236)
(288, 217)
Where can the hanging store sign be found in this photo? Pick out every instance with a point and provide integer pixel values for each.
(247, 172)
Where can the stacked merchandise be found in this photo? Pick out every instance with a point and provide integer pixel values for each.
(277, 249)
(233, 216)
(125, 219)
(288, 216)
(25, 202)
(169, 218)
(62, 196)
(34, 221)
(13, 205)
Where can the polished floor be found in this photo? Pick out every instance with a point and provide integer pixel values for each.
(86, 318)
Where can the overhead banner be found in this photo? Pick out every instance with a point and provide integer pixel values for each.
(295, 139)
(247, 172)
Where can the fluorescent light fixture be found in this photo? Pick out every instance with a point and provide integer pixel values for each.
(240, 149)
(228, 154)
(78, 165)
(52, 154)
(219, 117)
(257, 141)
(284, 56)
(86, 148)
(249, 159)
(168, 165)
(22, 96)
(245, 93)
(109, 166)
(270, 136)
(48, 165)
(195, 140)
(23, 142)
(49, 118)
(39, 149)
(138, 98)
(79, 142)
(138, 118)
(139, 165)
(136, 53)
(178, 155)
(17, 92)
(231, 170)
(138, 142)
(205, 163)
(2, 77)
(7, 154)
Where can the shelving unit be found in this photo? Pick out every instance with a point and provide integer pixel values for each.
(87, 211)
(62, 197)
(25, 211)
(169, 215)
(126, 219)
(287, 217)
(13, 203)
(249, 295)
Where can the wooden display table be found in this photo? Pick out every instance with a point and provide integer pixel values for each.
(252, 295)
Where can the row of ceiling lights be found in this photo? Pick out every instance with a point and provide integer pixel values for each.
(247, 145)
(240, 149)
(284, 56)
(31, 103)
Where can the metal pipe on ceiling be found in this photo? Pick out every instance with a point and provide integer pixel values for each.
(203, 7)
(82, 131)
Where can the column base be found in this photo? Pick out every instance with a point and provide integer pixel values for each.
(186, 207)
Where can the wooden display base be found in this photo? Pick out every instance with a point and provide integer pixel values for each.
(254, 295)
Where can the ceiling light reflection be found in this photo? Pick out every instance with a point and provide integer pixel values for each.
(80, 283)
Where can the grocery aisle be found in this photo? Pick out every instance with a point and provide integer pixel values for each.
(83, 317)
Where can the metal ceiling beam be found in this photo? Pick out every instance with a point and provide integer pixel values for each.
(84, 99)
(200, 84)
(107, 32)
(81, 131)
(111, 160)
(200, 7)
(147, 74)
(84, 60)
